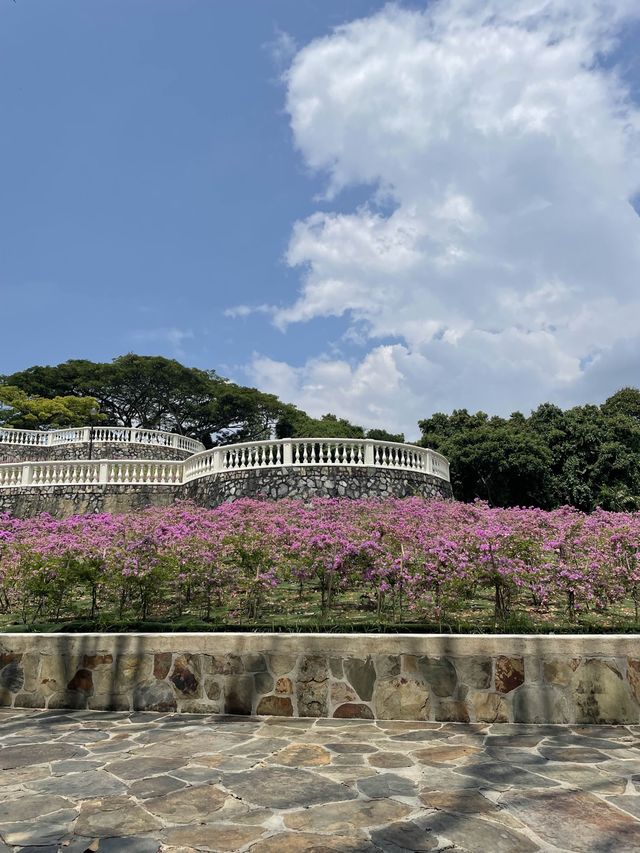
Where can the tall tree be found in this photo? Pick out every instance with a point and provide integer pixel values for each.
(21, 411)
(159, 393)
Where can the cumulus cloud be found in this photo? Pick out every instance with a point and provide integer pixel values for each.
(499, 249)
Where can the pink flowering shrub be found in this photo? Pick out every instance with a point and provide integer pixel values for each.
(404, 560)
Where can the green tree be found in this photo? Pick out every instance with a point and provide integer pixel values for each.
(586, 456)
(383, 435)
(159, 393)
(21, 411)
(297, 424)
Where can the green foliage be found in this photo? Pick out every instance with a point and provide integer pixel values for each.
(587, 456)
(383, 435)
(158, 393)
(296, 424)
(19, 410)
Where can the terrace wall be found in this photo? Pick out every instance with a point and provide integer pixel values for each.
(522, 679)
(80, 450)
(213, 490)
(305, 482)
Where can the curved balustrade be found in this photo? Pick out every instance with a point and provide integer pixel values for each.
(254, 455)
(97, 435)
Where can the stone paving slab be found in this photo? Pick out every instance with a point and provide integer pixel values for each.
(94, 782)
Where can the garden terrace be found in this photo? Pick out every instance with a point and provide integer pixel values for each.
(109, 468)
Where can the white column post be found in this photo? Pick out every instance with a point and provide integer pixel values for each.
(103, 472)
(368, 453)
(27, 474)
(86, 434)
(287, 453)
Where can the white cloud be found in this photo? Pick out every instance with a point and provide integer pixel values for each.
(170, 336)
(507, 153)
(281, 48)
(247, 310)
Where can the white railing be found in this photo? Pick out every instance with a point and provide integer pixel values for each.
(87, 473)
(253, 455)
(97, 435)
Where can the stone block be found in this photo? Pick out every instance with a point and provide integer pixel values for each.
(55, 673)
(282, 664)
(162, 664)
(154, 696)
(223, 664)
(313, 668)
(254, 663)
(185, 675)
(409, 665)
(537, 703)
(109, 702)
(474, 671)
(312, 698)
(97, 660)
(401, 698)
(387, 665)
(263, 682)
(12, 677)
(353, 711)
(633, 677)
(212, 688)
(29, 700)
(284, 685)
(440, 675)
(277, 706)
(490, 708)
(509, 673)
(194, 706)
(361, 675)
(30, 663)
(342, 692)
(451, 711)
(601, 695)
(76, 699)
(559, 671)
(336, 667)
(238, 694)
(129, 670)
(82, 680)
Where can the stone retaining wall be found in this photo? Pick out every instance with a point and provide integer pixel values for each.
(535, 679)
(63, 501)
(80, 450)
(211, 491)
(305, 482)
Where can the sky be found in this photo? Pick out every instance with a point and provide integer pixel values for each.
(377, 210)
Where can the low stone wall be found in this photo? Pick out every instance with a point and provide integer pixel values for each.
(211, 491)
(80, 450)
(63, 501)
(536, 679)
(305, 482)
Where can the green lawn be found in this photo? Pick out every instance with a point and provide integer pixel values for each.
(283, 610)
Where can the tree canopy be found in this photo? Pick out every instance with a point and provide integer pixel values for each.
(22, 411)
(586, 456)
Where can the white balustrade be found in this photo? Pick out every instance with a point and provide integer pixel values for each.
(97, 435)
(248, 456)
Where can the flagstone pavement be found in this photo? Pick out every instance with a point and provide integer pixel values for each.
(72, 782)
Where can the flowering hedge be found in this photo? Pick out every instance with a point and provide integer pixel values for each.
(404, 560)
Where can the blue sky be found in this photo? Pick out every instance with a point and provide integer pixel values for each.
(407, 225)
